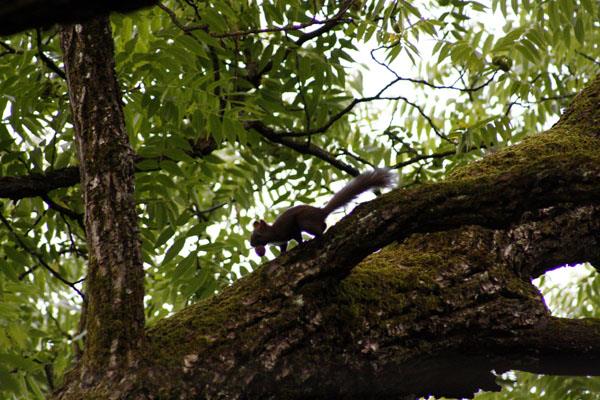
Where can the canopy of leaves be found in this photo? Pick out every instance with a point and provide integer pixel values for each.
(238, 109)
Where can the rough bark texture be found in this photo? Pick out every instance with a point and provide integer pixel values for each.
(447, 298)
(114, 285)
(17, 15)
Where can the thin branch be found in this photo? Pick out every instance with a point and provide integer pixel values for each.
(423, 157)
(45, 59)
(356, 101)
(429, 120)
(339, 115)
(36, 222)
(303, 148)
(194, 7)
(429, 84)
(526, 104)
(28, 271)
(348, 153)
(558, 97)
(587, 57)
(286, 28)
(63, 210)
(40, 258)
(327, 25)
(72, 236)
(9, 49)
(179, 24)
(213, 208)
(201, 214)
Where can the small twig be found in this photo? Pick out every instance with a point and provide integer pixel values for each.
(72, 239)
(63, 210)
(356, 101)
(423, 157)
(49, 372)
(302, 96)
(36, 222)
(286, 28)
(200, 214)
(429, 120)
(551, 98)
(45, 59)
(196, 11)
(40, 258)
(58, 327)
(355, 156)
(9, 49)
(429, 84)
(303, 148)
(28, 271)
(213, 208)
(587, 57)
(178, 23)
(328, 24)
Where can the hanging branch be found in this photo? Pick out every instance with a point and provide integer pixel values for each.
(39, 258)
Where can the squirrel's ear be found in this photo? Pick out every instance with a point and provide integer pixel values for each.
(256, 224)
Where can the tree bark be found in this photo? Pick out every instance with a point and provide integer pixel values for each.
(114, 320)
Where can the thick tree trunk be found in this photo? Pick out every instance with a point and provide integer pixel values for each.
(446, 300)
(114, 321)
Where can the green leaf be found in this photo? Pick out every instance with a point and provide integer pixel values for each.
(174, 250)
(579, 29)
(165, 235)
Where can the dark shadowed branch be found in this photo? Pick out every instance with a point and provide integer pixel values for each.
(18, 15)
(303, 148)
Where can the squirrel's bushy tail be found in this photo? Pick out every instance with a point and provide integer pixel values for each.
(378, 178)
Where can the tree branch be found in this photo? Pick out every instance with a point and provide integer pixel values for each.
(303, 148)
(556, 346)
(18, 15)
(47, 61)
(356, 101)
(423, 157)
(34, 185)
(424, 82)
(63, 210)
(39, 258)
(328, 24)
(37, 185)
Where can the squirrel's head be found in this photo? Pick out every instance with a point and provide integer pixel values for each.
(259, 238)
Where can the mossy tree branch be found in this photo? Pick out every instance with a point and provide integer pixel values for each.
(447, 300)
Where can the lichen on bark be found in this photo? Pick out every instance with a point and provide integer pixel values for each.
(114, 323)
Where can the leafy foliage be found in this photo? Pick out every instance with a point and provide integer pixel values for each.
(238, 109)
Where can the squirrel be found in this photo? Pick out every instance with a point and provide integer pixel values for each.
(303, 218)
